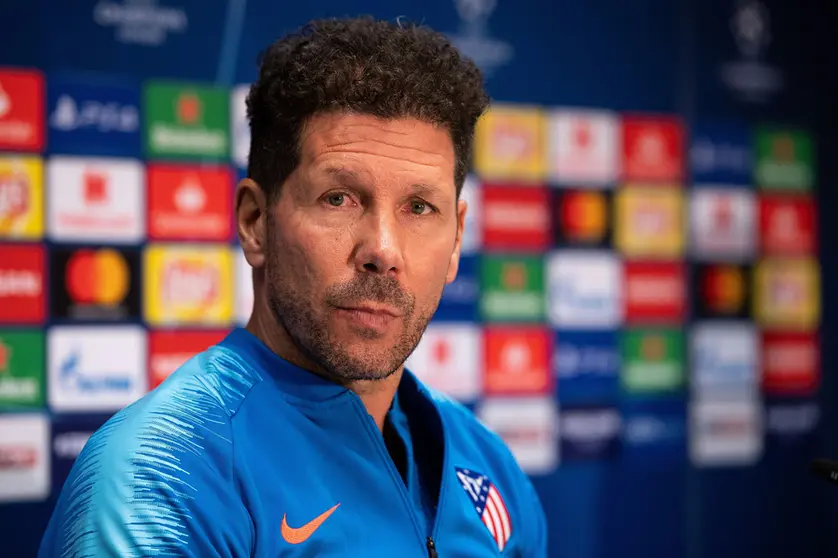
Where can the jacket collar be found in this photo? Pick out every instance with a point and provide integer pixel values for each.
(302, 384)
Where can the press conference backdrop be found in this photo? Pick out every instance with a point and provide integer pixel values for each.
(637, 311)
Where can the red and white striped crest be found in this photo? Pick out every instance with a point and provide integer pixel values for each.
(489, 505)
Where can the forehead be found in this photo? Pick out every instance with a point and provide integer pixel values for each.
(369, 145)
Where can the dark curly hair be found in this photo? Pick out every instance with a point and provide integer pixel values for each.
(384, 69)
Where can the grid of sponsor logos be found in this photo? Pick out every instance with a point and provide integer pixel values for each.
(617, 299)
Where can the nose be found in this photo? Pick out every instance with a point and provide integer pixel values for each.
(378, 249)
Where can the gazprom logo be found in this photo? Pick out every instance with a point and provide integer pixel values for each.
(709, 157)
(712, 362)
(576, 299)
(74, 378)
(575, 360)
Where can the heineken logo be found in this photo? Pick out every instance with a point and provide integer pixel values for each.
(187, 121)
(515, 276)
(653, 347)
(783, 148)
(189, 109)
(4, 358)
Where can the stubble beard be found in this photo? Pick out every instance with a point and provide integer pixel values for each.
(310, 332)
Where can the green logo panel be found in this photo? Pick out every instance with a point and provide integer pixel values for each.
(512, 288)
(784, 160)
(653, 360)
(187, 121)
(22, 369)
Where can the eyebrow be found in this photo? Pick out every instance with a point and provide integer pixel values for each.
(352, 178)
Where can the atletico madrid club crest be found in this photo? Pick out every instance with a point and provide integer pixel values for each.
(488, 504)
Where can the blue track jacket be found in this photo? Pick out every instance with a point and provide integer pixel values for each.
(241, 454)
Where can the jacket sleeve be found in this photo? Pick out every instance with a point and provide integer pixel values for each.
(156, 485)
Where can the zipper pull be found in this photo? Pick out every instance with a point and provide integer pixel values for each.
(432, 553)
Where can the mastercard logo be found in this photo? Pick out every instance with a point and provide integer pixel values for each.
(97, 277)
(584, 215)
(723, 288)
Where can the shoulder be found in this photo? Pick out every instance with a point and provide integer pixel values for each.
(166, 453)
(185, 416)
(198, 400)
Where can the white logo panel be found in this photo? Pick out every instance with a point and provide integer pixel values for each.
(95, 200)
(96, 368)
(723, 224)
(583, 148)
(725, 359)
(24, 458)
(584, 289)
(472, 194)
(449, 358)
(530, 428)
(726, 432)
(239, 125)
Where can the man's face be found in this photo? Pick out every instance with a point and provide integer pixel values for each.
(361, 241)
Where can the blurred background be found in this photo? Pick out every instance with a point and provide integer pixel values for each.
(639, 309)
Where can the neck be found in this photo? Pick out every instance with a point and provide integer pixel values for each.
(376, 395)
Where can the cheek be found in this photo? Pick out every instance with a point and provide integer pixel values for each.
(307, 256)
(430, 270)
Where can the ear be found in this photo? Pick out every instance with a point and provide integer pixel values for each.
(251, 216)
(454, 262)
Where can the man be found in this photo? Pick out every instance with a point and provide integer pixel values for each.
(303, 435)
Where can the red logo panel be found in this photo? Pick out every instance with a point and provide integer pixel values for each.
(790, 363)
(21, 110)
(516, 217)
(22, 291)
(653, 148)
(517, 361)
(190, 203)
(655, 292)
(169, 350)
(788, 225)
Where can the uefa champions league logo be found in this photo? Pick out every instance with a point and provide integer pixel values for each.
(140, 22)
(475, 14)
(474, 38)
(751, 77)
(751, 29)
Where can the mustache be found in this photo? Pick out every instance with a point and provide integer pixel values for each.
(370, 288)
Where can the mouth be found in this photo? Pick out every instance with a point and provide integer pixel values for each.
(373, 309)
(369, 316)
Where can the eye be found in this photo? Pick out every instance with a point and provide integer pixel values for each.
(336, 199)
(418, 207)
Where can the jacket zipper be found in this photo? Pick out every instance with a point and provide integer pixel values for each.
(446, 453)
(432, 548)
(378, 441)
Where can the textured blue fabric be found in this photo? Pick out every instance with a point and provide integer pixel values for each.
(238, 442)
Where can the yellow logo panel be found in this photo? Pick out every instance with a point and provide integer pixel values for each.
(787, 294)
(649, 222)
(509, 144)
(21, 197)
(188, 285)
